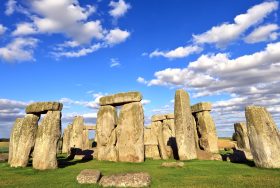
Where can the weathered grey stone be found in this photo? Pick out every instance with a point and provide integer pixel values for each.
(158, 117)
(241, 136)
(200, 107)
(106, 134)
(150, 138)
(85, 140)
(195, 133)
(167, 138)
(47, 137)
(184, 126)
(130, 133)
(169, 116)
(43, 107)
(157, 129)
(173, 164)
(88, 176)
(66, 139)
(136, 179)
(152, 152)
(22, 140)
(208, 139)
(76, 136)
(206, 155)
(263, 137)
(120, 98)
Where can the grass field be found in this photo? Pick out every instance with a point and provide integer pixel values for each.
(194, 174)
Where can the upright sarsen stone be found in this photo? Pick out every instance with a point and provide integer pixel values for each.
(157, 129)
(130, 133)
(22, 140)
(66, 140)
(76, 139)
(263, 137)
(85, 140)
(105, 134)
(184, 126)
(241, 136)
(47, 137)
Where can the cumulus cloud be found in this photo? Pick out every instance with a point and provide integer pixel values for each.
(20, 49)
(179, 52)
(10, 7)
(2, 29)
(263, 33)
(24, 29)
(119, 8)
(225, 33)
(116, 36)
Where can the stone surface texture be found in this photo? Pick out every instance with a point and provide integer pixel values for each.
(120, 98)
(66, 139)
(48, 134)
(263, 137)
(241, 136)
(88, 176)
(76, 139)
(158, 118)
(43, 107)
(137, 179)
(184, 126)
(202, 106)
(173, 164)
(22, 140)
(130, 133)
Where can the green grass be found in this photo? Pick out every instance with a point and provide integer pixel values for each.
(194, 174)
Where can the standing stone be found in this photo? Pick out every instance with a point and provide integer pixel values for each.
(66, 140)
(157, 129)
(85, 140)
(184, 126)
(76, 139)
(208, 139)
(22, 140)
(130, 133)
(105, 133)
(47, 137)
(151, 144)
(195, 134)
(263, 137)
(167, 138)
(241, 136)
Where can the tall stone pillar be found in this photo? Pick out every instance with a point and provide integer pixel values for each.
(184, 126)
(263, 137)
(76, 139)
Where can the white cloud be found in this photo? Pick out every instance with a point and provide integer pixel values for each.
(145, 101)
(141, 80)
(225, 33)
(263, 33)
(24, 29)
(10, 7)
(114, 62)
(118, 8)
(2, 29)
(20, 49)
(179, 52)
(116, 36)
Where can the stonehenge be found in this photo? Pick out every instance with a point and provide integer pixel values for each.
(263, 137)
(206, 130)
(120, 138)
(188, 133)
(26, 134)
(184, 126)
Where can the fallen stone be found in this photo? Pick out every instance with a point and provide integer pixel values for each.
(205, 155)
(158, 118)
(43, 107)
(48, 134)
(173, 164)
(88, 176)
(184, 126)
(22, 140)
(263, 137)
(241, 136)
(200, 107)
(208, 139)
(137, 179)
(120, 98)
(76, 138)
(130, 133)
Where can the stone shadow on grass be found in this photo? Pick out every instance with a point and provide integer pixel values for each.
(238, 156)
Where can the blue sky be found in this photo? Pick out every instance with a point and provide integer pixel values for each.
(225, 52)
